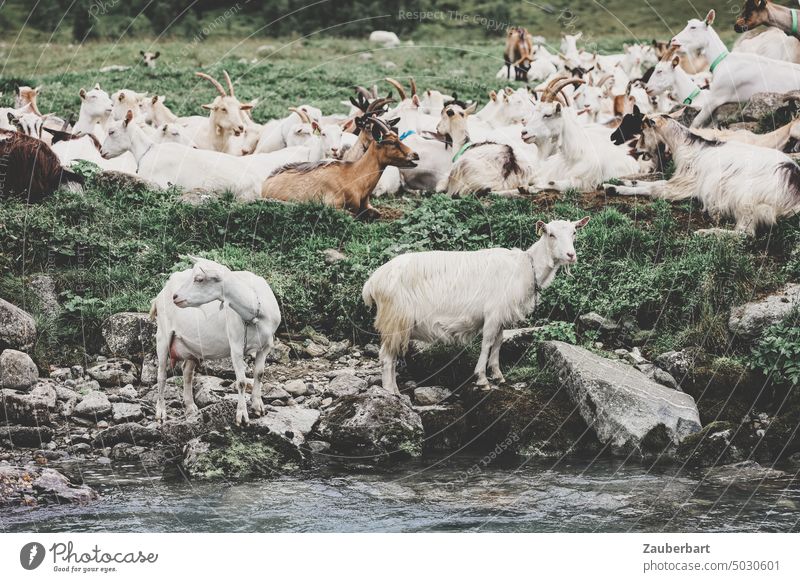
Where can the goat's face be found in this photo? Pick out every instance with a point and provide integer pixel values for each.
(559, 238)
(172, 133)
(125, 100)
(25, 95)
(663, 77)
(589, 98)
(119, 138)
(226, 114)
(696, 35)
(454, 120)
(516, 107)
(331, 136)
(754, 13)
(393, 152)
(545, 124)
(204, 286)
(147, 107)
(96, 103)
(301, 134)
(149, 59)
(432, 102)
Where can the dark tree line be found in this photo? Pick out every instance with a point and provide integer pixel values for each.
(112, 18)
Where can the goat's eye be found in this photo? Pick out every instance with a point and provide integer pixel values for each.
(198, 279)
(552, 235)
(224, 110)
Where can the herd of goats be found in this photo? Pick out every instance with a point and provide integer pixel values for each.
(581, 121)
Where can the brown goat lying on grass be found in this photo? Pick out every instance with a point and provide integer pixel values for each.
(30, 168)
(342, 184)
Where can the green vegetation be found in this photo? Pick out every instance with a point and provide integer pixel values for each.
(777, 351)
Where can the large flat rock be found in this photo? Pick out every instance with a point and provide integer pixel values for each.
(630, 413)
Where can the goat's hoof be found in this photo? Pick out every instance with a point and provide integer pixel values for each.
(610, 189)
(192, 411)
(482, 382)
(258, 410)
(500, 379)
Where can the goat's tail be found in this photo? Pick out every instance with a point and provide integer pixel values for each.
(153, 310)
(366, 293)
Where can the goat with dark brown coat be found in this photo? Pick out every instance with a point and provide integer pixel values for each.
(519, 49)
(29, 168)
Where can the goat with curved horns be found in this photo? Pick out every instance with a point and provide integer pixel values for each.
(449, 297)
(211, 312)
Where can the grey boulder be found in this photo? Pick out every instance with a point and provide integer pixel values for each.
(17, 370)
(630, 413)
(17, 327)
(129, 335)
(21, 408)
(291, 422)
(749, 320)
(372, 425)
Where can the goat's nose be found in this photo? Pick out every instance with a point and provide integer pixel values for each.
(415, 156)
(571, 256)
(175, 296)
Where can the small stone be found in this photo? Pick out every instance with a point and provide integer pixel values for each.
(345, 385)
(296, 387)
(126, 412)
(317, 447)
(371, 350)
(313, 349)
(94, 404)
(333, 256)
(326, 402)
(430, 395)
(115, 372)
(276, 392)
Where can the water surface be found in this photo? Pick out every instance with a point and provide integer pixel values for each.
(435, 494)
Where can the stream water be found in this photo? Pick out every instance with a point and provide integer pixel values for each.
(434, 494)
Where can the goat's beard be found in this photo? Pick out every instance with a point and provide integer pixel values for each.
(448, 141)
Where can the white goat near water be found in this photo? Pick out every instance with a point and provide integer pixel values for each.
(754, 185)
(210, 312)
(449, 297)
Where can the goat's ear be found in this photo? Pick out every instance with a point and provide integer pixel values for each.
(141, 53)
(209, 106)
(636, 110)
(158, 54)
(11, 117)
(128, 118)
(415, 100)
(558, 108)
(82, 93)
(246, 106)
(472, 108)
(493, 95)
(541, 228)
(710, 17)
(676, 61)
(582, 222)
(121, 97)
(315, 127)
(155, 99)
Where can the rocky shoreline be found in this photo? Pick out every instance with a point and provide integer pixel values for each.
(325, 404)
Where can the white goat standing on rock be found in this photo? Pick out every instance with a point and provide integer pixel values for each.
(449, 297)
(211, 312)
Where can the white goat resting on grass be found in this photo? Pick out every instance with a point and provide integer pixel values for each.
(449, 297)
(211, 312)
(753, 184)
